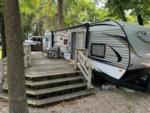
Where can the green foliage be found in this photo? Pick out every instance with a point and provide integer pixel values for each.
(1, 6)
(27, 9)
(37, 12)
(77, 12)
(137, 7)
(41, 15)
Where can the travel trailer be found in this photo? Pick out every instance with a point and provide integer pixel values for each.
(119, 50)
(36, 43)
(70, 39)
(47, 41)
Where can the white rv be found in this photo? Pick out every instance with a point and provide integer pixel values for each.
(119, 50)
(47, 41)
(70, 39)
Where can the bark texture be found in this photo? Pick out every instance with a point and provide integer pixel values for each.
(121, 11)
(14, 42)
(60, 14)
(140, 19)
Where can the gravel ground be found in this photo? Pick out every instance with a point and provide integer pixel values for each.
(106, 101)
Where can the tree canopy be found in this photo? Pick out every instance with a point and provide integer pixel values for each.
(39, 16)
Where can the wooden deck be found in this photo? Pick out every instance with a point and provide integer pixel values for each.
(51, 80)
(42, 66)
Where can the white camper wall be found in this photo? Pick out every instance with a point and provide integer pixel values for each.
(80, 37)
(61, 36)
(62, 40)
(80, 41)
(111, 36)
(47, 41)
(139, 39)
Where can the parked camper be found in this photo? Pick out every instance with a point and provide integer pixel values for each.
(47, 41)
(119, 50)
(36, 43)
(70, 39)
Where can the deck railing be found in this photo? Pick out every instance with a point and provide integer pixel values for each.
(3, 63)
(3, 69)
(83, 63)
(27, 55)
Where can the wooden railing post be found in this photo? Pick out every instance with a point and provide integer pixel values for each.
(76, 59)
(27, 55)
(83, 63)
(86, 52)
(90, 78)
(3, 63)
(1, 71)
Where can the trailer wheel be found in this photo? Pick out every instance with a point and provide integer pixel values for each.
(98, 80)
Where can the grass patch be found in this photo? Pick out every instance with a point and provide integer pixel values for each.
(0, 53)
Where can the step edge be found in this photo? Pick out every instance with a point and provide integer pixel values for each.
(51, 90)
(65, 97)
(32, 83)
(47, 75)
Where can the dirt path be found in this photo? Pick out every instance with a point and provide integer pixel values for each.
(106, 101)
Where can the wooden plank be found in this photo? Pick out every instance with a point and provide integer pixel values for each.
(64, 97)
(55, 89)
(29, 101)
(48, 61)
(51, 90)
(52, 73)
(46, 69)
(52, 67)
(34, 102)
(83, 72)
(1, 71)
(38, 83)
(50, 64)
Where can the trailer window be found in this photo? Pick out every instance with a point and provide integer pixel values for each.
(65, 41)
(46, 39)
(98, 50)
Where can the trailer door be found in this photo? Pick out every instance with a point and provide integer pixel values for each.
(73, 44)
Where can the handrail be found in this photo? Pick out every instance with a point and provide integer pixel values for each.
(27, 55)
(3, 64)
(83, 63)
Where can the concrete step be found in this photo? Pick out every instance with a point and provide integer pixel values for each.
(53, 81)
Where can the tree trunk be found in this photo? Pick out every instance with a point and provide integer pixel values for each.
(2, 31)
(121, 10)
(60, 14)
(121, 13)
(140, 19)
(14, 44)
